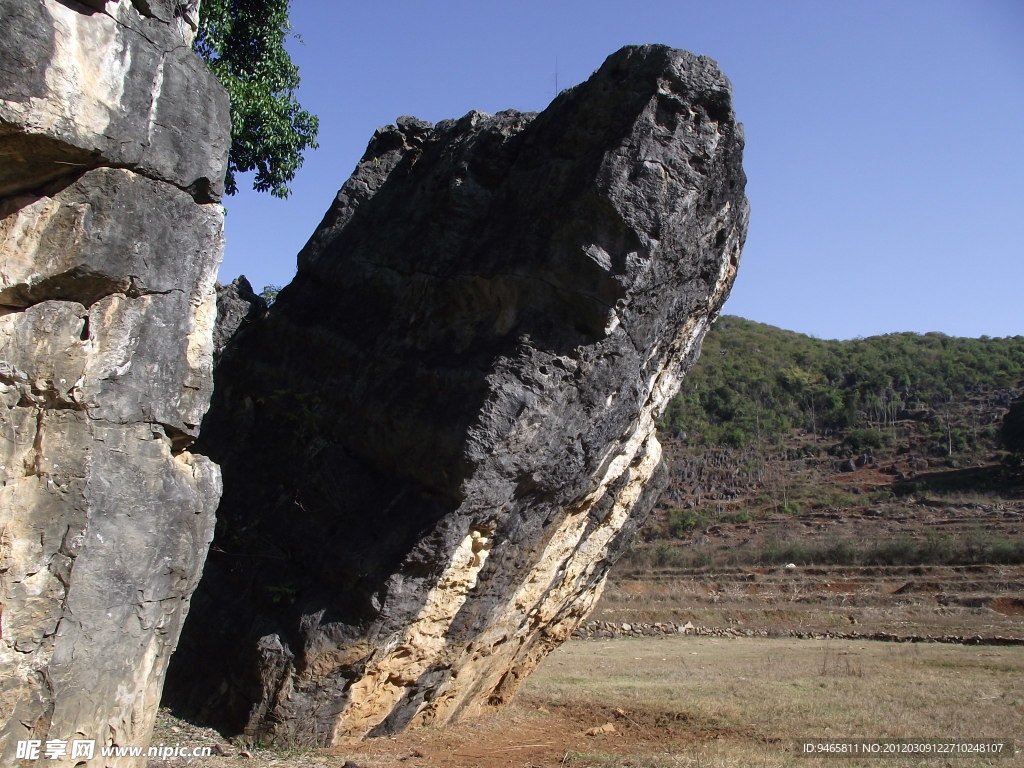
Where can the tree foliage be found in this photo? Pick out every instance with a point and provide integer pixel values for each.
(242, 41)
(754, 382)
(269, 293)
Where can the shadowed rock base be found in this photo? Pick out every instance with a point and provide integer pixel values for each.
(442, 433)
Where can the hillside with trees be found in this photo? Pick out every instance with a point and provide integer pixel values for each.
(895, 449)
(757, 384)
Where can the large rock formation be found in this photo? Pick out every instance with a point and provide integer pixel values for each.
(113, 143)
(442, 433)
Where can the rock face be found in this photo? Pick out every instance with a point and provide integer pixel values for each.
(442, 434)
(113, 143)
(237, 306)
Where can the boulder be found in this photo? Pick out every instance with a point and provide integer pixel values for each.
(443, 433)
(113, 140)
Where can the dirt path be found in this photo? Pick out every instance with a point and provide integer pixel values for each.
(530, 733)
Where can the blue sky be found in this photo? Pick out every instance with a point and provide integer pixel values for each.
(884, 139)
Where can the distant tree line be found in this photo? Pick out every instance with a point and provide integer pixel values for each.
(755, 382)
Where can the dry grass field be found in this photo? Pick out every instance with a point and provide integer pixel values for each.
(696, 701)
(740, 702)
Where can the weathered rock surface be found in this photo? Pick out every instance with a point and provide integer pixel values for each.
(237, 306)
(442, 434)
(117, 87)
(113, 139)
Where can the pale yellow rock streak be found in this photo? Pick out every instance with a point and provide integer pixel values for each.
(549, 604)
(399, 664)
(199, 348)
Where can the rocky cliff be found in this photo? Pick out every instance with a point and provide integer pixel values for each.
(442, 433)
(113, 144)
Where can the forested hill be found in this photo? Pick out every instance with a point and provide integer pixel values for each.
(755, 382)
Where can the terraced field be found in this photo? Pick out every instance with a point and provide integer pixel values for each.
(984, 601)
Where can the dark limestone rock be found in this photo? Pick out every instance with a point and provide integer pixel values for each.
(442, 434)
(110, 130)
(237, 306)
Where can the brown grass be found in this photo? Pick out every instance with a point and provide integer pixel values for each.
(706, 703)
(744, 702)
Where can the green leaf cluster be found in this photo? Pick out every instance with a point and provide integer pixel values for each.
(754, 382)
(269, 293)
(242, 41)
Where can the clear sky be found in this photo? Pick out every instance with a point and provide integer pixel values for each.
(884, 140)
